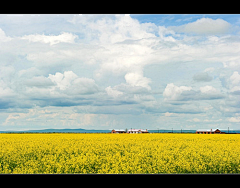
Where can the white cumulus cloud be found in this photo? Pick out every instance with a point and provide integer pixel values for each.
(3, 37)
(234, 83)
(173, 92)
(51, 39)
(113, 92)
(63, 80)
(137, 79)
(70, 82)
(235, 78)
(208, 89)
(205, 26)
(234, 119)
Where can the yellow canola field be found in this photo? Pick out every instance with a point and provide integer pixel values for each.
(119, 153)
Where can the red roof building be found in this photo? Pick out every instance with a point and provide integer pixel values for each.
(209, 131)
(118, 131)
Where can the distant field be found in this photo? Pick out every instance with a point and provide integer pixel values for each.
(119, 153)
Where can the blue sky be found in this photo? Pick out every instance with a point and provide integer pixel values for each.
(119, 71)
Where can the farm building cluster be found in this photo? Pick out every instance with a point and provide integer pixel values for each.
(139, 131)
(130, 131)
(209, 131)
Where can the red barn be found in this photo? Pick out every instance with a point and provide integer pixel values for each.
(118, 131)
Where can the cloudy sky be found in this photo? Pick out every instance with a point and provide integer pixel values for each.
(119, 71)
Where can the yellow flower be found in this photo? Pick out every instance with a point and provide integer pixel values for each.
(119, 153)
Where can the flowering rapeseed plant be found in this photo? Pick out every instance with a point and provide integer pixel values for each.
(119, 153)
